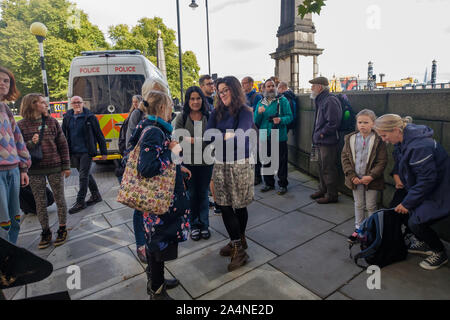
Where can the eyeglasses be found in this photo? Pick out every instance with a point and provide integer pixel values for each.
(224, 92)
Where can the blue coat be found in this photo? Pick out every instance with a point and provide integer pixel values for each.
(424, 168)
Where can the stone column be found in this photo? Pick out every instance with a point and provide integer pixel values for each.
(315, 67)
(295, 77)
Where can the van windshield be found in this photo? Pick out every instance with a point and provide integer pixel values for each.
(95, 91)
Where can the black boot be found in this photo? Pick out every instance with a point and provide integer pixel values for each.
(95, 198)
(170, 283)
(160, 294)
(77, 207)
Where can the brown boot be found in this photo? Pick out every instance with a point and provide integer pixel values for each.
(244, 242)
(317, 195)
(226, 251)
(238, 257)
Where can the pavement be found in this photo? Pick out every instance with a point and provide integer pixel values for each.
(297, 249)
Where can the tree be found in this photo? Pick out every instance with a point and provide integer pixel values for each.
(311, 6)
(69, 33)
(144, 37)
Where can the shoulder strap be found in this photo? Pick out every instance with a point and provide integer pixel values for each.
(147, 128)
(41, 133)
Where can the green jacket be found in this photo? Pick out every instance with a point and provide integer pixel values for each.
(262, 120)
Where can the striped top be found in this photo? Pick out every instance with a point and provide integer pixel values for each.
(13, 151)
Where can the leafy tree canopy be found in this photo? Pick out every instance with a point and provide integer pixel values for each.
(310, 6)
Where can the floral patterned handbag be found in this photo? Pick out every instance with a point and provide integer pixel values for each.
(153, 195)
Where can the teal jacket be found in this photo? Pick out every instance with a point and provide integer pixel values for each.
(262, 120)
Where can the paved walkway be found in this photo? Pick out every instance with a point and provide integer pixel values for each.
(297, 249)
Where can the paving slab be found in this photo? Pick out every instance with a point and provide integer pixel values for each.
(336, 213)
(405, 280)
(206, 270)
(191, 246)
(321, 265)
(30, 222)
(258, 213)
(289, 231)
(337, 296)
(135, 289)
(346, 228)
(312, 184)
(113, 203)
(118, 217)
(296, 198)
(25, 240)
(10, 293)
(88, 226)
(96, 274)
(302, 177)
(70, 191)
(90, 246)
(264, 283)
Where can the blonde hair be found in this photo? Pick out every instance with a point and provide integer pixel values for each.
(156, 103)
(367, 112)
(27, 106)
(151, 84)
(389, 122)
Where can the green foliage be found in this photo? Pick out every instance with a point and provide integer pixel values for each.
(144, 37)
(19, 49)
(310, 6)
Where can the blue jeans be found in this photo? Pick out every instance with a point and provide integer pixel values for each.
(198, 187)
(10, 205)
(139, 232)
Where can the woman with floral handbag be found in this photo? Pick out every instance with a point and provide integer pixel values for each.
(152, 182)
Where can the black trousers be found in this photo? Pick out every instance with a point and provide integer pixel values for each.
(282, 167)
(83, 163)
(235, 221)
(328, 171)
(425, 233)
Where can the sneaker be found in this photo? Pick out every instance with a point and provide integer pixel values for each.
(267, 188)
(141, 254)
(77, 207)
(353, 238)
(434, 261)
(420, 247)
(46, 238)
(205, 234)
(195, 235)
(61, 237)
(95, 198)
(282, 191)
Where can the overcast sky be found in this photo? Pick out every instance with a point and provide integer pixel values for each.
(401, 37)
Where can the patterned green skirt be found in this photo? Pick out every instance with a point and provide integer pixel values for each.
(234, 184)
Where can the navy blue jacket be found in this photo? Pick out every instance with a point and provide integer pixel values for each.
(327, 119)
(93, 134)
(424, 168)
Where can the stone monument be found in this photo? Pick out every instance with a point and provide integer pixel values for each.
(295, 38)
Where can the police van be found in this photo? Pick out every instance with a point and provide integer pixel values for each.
(107, 81)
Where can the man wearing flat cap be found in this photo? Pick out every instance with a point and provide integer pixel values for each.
(326, 137)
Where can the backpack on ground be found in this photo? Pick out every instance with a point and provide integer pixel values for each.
(27, 202)
(381, 239)
(348, 120)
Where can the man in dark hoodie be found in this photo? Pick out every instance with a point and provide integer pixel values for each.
(326, 137)
(82, 131)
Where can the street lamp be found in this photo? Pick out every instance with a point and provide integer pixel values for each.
(180, 52)
(39, 30)
(194, 5)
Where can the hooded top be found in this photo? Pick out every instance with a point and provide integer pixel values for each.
(424, 168)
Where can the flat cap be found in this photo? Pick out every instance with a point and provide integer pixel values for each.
(320, 80)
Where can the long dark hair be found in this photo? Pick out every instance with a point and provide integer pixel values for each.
(187, 109)
(238, 98)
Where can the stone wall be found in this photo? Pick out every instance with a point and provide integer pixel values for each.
(428, 107)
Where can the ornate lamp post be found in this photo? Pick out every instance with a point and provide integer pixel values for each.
(39, 30)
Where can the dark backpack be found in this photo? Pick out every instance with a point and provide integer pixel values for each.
(123, 136)
(293, 104)
(348, 120)
(381, 239)
(27, 202)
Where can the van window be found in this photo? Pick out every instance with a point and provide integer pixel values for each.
(95, 92)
